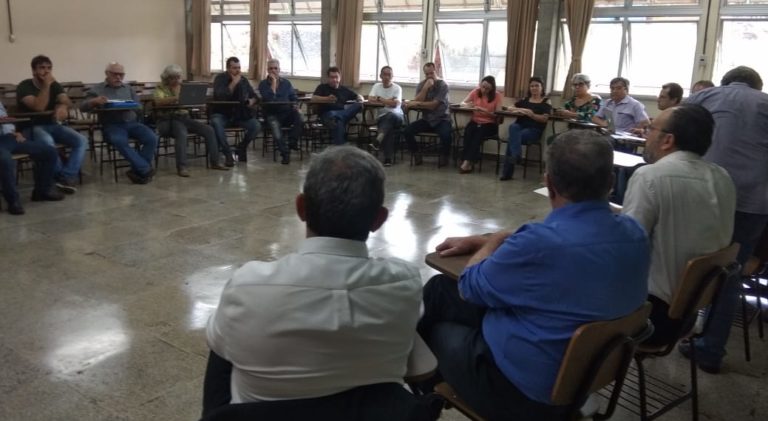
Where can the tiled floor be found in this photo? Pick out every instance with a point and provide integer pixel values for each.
(105, 295)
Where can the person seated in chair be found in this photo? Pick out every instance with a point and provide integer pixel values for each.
(179, 124)
(685, 203)
(233, 87)
(389, 118)
(121, 125)
(275, 88)
(485, 101)
(432, 98)
(42, 154)
(670, 95)
(500, 334)
(43, 93)
(328, 318)
(336, 105)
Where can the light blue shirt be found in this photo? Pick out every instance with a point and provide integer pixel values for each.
(627, 113)
(582, 264)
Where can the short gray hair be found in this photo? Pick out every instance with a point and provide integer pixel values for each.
(580, 165)
(581, 78)
(273, 60)
(343, 192)
(170, 71)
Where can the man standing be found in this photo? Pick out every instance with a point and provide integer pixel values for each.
(277, 89)
(44, 157)
(232, 86)
(501, 336)
(625, 112)
(670, 95)
(685, 204)
(432, 100)
(389, 118)
(740, 145)
(120, 126)
(43, 93)
(328, 318)
(337, 105)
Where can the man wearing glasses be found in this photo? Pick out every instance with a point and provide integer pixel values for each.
(123, 124)
(277, 89)
(626, 112)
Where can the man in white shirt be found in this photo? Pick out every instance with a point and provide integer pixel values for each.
(685, 203)
(389, 118)
(328, 318)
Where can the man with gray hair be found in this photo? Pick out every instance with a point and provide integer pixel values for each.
(275, 89)
(327, 319)
(500, 337)
(740, 145)
(120, 125)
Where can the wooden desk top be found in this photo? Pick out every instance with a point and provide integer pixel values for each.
(449, 266)
(13, 120)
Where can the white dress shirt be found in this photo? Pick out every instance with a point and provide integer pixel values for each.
(317, 322)
(687, 207)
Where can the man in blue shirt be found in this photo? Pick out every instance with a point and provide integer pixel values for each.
(501, 336)
(277, 89)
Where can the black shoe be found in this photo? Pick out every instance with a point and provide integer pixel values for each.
(66, 186)
(229, 161)
(294, 146)
(685, 350)
(15, 209)
(136, 178)
(505, 177)
(242, 155)
(50, 196)
(286, 160)
(418, 159)
(387, 162)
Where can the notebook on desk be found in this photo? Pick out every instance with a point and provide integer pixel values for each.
(193, 93)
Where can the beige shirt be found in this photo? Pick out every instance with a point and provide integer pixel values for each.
(687, 206)
(317, 322)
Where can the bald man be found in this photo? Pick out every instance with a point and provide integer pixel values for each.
(120, 126)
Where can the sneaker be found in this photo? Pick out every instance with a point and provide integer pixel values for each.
(66, 186)
(685, 350)
(51, 196)
(220, 167)
(183, 172)
(387, 162)
(16, 209)
(136, 178)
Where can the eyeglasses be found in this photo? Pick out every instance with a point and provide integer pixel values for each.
(651, 127)
(576, 85)
(116, 74)
(273, 68)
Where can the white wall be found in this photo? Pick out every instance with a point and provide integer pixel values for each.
(82, 36)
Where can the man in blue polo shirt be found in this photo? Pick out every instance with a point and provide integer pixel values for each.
(626, 112)
(500, 337)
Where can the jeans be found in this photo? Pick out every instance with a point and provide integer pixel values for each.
(518, 136)
(341, 118)
(290, 119)
(179, 127)
(710, 348)
(44, 157)
(219, 122)
(117, 134)
(56, 133)
(388, 125)
(474, 136)
(442, 128)
(452, 328)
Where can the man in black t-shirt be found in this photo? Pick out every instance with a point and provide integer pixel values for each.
(333, 105)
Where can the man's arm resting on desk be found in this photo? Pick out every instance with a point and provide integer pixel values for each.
(473, 244)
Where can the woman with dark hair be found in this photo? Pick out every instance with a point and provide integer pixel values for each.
(484, 101)
(534, 111)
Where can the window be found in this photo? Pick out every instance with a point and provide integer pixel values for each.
(392, 36)
(230, 32)
(743, 33)
(294, 36)
(649, 42)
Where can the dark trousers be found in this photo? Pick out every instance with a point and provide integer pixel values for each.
(442, 129)
(474, 135)
(452, 328)
(44, 157)
(665, 330)
(374, 402)
(290, 119)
